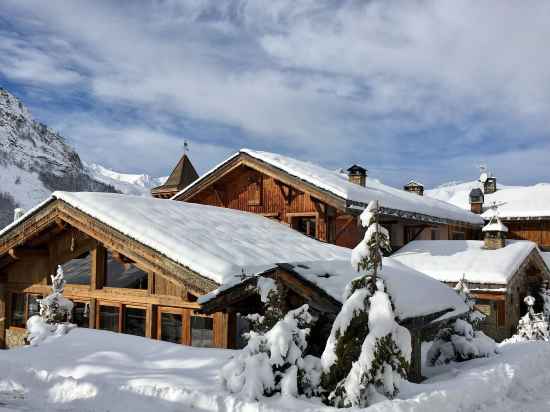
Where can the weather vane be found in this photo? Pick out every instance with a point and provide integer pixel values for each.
(186, 146)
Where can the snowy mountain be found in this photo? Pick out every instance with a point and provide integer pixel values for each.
(132, 184)
(35, 160)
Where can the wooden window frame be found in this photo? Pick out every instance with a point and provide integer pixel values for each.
(193, 313)
(134, 306)
(459, 232)
(101, 303)
(297, 215)
(255, 188)
(26, 296)
(185, 322)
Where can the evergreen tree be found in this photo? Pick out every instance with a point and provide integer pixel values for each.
(367, 353)
(533, 326)
(474, 316)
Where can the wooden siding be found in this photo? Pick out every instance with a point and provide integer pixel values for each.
(537, 231)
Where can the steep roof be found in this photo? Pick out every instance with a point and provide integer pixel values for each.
(336, 184)
(513, 201)
(183, 175)
(450, 260)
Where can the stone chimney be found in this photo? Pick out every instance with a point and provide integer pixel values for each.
(494, 234)
(17, 214)
(476, 201)
(358, 175)
(414, 187)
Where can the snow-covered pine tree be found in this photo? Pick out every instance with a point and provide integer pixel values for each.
(474, 316)
(272, 295)
(274, 361)
(55, 313)
(367, 353)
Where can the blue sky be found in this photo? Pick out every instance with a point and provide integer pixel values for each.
(409, 89)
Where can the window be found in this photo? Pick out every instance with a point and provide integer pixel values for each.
(81, 313)
(435, 234)
(120, 274)
(254, 190)
(18, 316)
(306, 225)
(33, 307)
(459, 236)
(23, 306)
(134, 321)
(78, 271)
(108, 318)
(171, 327)
(202, 331)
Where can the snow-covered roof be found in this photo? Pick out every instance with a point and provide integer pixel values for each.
(512, 201)
(495, 225)
(450, 260)
(338, 185)
(413, 293)
(214, 242)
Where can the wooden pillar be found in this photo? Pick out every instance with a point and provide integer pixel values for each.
(92, 313)
(415, 368)
(3, 313)
(149, 322)
(98, 267)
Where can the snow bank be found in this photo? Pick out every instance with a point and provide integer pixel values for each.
(451, 260)
(103, 371)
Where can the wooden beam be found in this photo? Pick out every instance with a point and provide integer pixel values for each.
(25, 253)
(344, 228)
(98, 267)
(3, 314)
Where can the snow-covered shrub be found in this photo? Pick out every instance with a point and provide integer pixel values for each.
(532, 326)
(368, 353)
(545, 295)
(272, 296)
(274, 361)
(55, 313)
(460, 343)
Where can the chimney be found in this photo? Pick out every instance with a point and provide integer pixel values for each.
(414, 187)
(358, 175)
(488, 180)
(476, 201)
(494, 234)
(17, 214)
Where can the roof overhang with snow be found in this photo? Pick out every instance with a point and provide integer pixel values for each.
(335, 190)
(451, 260)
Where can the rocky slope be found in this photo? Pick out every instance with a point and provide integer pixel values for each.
(35, 160)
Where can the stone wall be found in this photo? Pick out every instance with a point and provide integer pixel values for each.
(15, 337)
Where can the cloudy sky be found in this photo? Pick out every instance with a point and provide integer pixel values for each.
(409, 89)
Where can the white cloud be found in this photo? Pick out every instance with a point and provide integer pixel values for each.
(378, 82)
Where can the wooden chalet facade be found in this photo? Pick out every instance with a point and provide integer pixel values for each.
(134, 286)
(250, 183)
(157, 298)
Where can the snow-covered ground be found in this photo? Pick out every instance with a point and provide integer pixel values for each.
(90, 370)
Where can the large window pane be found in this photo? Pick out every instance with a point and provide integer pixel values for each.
(202, 331)
(108, 318)
(34, 306)
(124, 275)
(170, 327)
(134, 321)
(18, 309)
(78, 271)
(80, 315)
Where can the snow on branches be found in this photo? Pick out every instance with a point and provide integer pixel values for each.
(368, 353)
(274, 361)
(462, 341)
(55, 313)
(532, 326)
